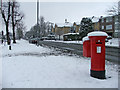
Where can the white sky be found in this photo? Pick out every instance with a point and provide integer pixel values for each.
(56, 12)
(73, 11)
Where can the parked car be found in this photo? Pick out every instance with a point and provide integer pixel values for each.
(51, 37)
(33, 40)
(108, 38)
(44, 38)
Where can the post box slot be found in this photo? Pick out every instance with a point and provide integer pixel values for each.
(98, 42)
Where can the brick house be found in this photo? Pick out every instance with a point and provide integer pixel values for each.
(65, 27)
(95, 24)
(61, 28)
(110, 25)
(76, 27)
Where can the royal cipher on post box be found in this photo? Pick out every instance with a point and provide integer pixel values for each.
(86, 47)
(97, 42)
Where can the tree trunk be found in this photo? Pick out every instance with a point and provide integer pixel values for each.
(14, 39)
(2, 36)
(7, 32)
(6, 20)
(13, 23)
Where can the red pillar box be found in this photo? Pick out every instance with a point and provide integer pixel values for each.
(86, 47)
(97, 41)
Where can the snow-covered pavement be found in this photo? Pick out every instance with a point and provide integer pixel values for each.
(29, 66)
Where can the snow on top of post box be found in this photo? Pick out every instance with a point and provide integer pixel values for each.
(85, 38)
(97, 33)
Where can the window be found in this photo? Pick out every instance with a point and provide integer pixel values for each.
(109, 19)
(102, 27)
(116, 26)
(74, 28)
(116, 18)
(116, 23)
(108, 27)
(117, 30)
(102, 20)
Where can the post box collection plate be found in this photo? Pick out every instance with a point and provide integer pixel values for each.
(98, 49)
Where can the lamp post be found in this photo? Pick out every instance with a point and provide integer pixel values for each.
(37, 12)
(38, 31)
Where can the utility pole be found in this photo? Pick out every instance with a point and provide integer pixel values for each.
(38, 31)
(37, 12)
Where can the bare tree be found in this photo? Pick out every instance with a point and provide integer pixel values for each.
(6, 13)
(20, 30)
(17, 16)
(47, 28)
(42, 26)
(59, 32)
(114, 10)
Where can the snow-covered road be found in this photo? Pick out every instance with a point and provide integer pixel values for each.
(29, 66)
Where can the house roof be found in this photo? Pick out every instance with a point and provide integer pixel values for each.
(95, 20)
(109, 16)
(64, 24)
(71, 34)
(77, 23)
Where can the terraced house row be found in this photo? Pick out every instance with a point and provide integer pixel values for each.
(110, 25)
(59, 29)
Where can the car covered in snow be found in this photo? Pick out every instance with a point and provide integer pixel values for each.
(108, 38)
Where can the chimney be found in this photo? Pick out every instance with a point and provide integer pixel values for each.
(65, 20)
(101, 17)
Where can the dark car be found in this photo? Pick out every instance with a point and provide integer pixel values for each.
(33, 40)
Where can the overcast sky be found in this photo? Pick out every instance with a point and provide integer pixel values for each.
(73, 11)
(56, 12)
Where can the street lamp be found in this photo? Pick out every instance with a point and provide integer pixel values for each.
(37, 12)
(38, 31)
